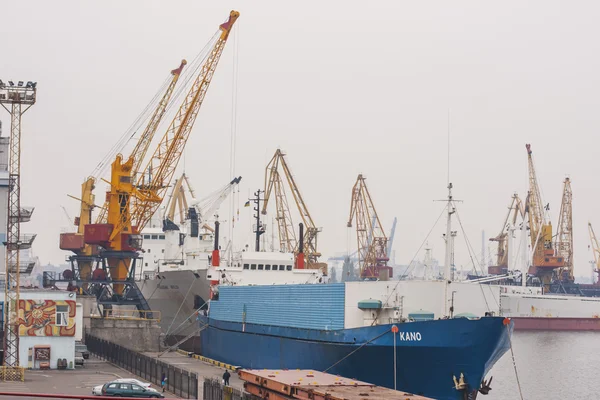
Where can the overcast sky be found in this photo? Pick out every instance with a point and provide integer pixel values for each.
(343, 87)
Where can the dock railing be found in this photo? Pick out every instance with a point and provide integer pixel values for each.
(181, 382)
(215, 390)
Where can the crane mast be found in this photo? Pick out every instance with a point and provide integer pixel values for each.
(372, 241)
(596, 250)
(564, 239)
(132, 201)
(514, 210)
(288, 240)
(544, 261)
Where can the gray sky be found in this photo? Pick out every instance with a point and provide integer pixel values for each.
(343, 87)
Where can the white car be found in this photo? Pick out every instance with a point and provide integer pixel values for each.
(97, 390)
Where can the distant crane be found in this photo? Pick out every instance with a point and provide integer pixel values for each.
(288, 240)
(372, 241)
(596, 251)
(544, 261)
(564, 239)
(514, 211)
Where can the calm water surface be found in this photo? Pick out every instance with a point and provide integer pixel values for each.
(551, 365)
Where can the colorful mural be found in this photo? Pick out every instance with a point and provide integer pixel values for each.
(47, 317)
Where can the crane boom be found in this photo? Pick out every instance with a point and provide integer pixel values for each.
(515, 209)
(372, 241)
(150, 192)
(564, 239)
(595, 249)
(287, 236)
(143, 144)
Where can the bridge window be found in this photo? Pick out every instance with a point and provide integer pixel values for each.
(267, 267)
(289, 267)
(246, 266)
(146, 236)
(252, 266)
(154, 237)
(161, 237)
(260, 266)
(282, 267)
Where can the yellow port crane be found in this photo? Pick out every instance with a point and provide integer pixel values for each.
(85, 253)
(564, 239)
(288, 239)
(514, 211)
(544, 261)
(131, 203)
(596, 250)
(371, 238)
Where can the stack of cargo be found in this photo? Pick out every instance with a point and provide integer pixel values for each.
(305, 384)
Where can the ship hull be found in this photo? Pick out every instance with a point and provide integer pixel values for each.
(556, 324)
(428, 354)
(177, 295)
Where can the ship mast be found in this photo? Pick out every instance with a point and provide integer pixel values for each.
(449, 252)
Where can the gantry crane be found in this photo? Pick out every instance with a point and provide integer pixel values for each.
(544, 260)
(288, 240)
(514, 211)
(133, 200)
(372, 241)
(596, 250)
(16, 99)
(85, 254)
(564, 239)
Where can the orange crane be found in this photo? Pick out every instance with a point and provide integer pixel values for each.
(544, 260)
(372, 241)
(596, 250)
(86, 254)
(564, 239)
(514, 210)
(132, 200)
(288, 240)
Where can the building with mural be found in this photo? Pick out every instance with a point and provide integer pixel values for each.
(47, 328)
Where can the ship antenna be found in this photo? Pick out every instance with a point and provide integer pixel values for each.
(259, 229)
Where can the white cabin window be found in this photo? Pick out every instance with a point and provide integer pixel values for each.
(161, 237)
(146, 236)
(62, 316)
(261, 266)
(246, 266)
(282, 267)
(252, 266)
(267, 267)
(154, 237)
(163, 250)
(149, 251)
(289, 267)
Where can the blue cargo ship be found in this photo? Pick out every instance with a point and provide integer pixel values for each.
(357, 330)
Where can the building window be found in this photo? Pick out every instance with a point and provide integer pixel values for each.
(252, 266)
(267, 267)
(246, 266)
(260, 266)
(289, 267)
(62, 316)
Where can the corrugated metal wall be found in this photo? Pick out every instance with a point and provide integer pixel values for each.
(299, 306)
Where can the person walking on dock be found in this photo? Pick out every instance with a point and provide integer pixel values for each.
(226, 377)
(163, 381)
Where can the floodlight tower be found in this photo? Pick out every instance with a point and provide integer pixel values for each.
(16, 100)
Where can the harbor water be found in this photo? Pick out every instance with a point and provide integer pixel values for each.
(550, 365)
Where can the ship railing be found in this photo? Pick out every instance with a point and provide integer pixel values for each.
(135, 315)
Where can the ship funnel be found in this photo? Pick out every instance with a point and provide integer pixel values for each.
(300, 255)
(215, 254)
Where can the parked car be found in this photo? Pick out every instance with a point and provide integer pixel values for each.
(134, 381)
(82, 348)
(124, 389)
(78, 358)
